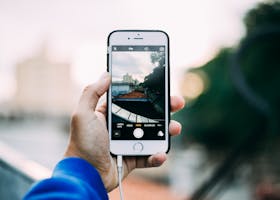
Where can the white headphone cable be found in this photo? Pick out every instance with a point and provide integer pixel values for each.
(120, 168)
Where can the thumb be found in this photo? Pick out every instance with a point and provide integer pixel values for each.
(93, 92)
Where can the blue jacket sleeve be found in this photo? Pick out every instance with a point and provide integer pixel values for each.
(73, 178)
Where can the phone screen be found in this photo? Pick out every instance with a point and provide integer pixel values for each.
(138, 92)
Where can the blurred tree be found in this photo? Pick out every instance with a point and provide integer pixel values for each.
(262, 15)
(155, 80)
(220, 117)
(154, 83)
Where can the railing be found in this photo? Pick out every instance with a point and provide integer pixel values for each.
(17, 173)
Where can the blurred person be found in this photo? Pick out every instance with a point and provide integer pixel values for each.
(88, 170)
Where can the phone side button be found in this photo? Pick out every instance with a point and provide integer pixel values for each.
(138, 147)
(107, 62)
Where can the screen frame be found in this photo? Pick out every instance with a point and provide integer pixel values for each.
(149, 38)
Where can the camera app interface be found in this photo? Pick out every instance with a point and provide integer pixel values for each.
(138, 92)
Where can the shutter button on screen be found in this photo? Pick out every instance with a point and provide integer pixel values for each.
(138, 133)
(138, 147)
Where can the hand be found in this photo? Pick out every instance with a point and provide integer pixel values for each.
(89, 135)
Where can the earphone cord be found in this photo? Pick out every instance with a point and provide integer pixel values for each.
(120, 167)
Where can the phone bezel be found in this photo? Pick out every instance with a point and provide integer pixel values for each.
(148, 37)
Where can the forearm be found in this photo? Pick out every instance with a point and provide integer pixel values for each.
(73, 178)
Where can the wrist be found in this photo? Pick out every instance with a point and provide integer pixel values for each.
(109, 177)
(108, 171)
(78, 170)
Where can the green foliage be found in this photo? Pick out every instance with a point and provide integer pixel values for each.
(154, 82)
(221, 117)
(262, 15)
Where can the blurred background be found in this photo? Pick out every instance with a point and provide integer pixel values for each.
(224, 59)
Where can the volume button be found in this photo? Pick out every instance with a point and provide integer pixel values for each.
(107, 62)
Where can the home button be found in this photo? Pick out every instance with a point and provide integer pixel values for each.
(138, 147)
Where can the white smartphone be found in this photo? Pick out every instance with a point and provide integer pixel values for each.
(138, 98)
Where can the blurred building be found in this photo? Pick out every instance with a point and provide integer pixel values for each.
(44, 86)
(127, 78)
(122, 88)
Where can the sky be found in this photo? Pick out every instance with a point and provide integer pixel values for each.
(76, 31)
(137, 64)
